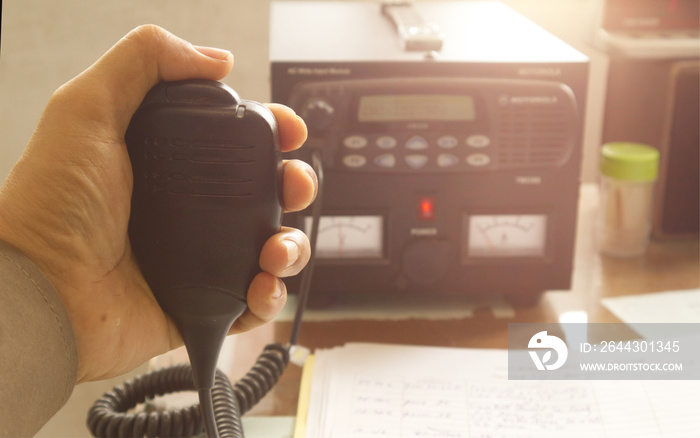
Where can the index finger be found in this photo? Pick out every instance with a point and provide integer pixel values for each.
(292, 128)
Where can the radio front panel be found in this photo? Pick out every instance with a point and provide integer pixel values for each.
(417, 125)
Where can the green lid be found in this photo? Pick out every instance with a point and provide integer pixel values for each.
(629, 161)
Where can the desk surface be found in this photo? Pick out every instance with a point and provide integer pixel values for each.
(667, 265)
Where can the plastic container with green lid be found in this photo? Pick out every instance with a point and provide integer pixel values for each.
(628, 173)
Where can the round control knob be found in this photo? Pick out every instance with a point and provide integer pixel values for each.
(318, 114)
(425, 260)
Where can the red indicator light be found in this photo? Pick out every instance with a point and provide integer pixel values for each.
(426, 209)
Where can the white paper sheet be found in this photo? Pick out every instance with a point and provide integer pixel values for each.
(663, 307)
(375, 390)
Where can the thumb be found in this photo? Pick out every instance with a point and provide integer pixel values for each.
(120, 79)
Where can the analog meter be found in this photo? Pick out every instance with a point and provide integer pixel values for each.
(348, 236)
(505, 235)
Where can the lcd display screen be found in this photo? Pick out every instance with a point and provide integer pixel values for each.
(416, 107)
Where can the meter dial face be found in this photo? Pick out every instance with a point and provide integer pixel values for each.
(348, 236)
(506, 235)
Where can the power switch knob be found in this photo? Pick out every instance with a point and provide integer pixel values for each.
(318, 114)
(425, 260)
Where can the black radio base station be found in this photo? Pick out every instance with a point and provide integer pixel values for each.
(453, 170)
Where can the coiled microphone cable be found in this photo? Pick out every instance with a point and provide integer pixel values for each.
(109, 416)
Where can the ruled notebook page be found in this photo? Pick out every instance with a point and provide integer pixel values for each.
(640, 409)
(372, 390)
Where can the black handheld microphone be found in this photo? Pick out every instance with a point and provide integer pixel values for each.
(207, 195)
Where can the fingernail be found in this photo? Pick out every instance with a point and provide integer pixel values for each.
(213, 52)
(292, 252)
(279, 290)
(314, 178)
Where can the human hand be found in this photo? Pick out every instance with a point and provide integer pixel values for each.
(66, 204)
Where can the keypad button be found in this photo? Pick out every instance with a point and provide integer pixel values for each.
(386, 142)
(447, 160)
(355, 142)
(354, 161)
(416, 161)
(447, 142)
(416, 143)
(478, 141)
(478, 160)
(385, 160)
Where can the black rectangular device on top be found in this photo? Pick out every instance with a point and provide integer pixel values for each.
(446, 172)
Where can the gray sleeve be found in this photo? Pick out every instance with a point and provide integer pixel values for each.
(38, 351)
